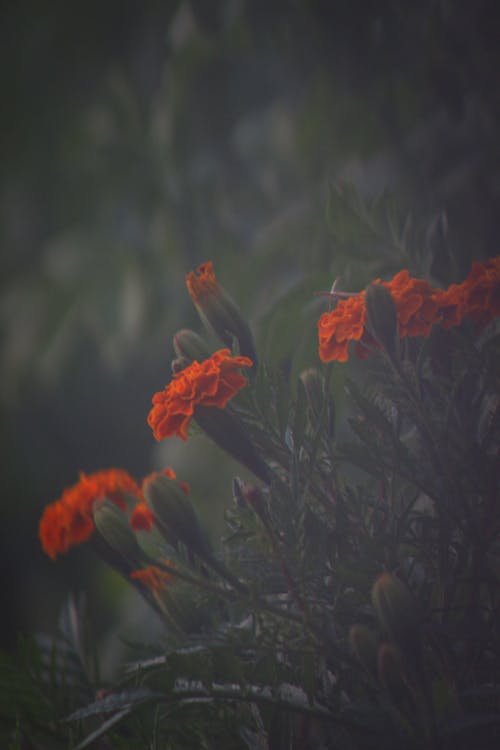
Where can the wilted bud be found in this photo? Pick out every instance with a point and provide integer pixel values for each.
(113, 526)
(174, 514)
(397, 611)
(229, 434)
(218, 311)
(190, 346)
(314, 386)
(381, 316)
(364, 643)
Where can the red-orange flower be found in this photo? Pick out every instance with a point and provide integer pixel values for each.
(69, 521)
(416, 308)
(153, 577)
(141, 518)
(416, 304)
(338, 327)
(481, 291)
(210, 383)
(419, 306)
(202, 282)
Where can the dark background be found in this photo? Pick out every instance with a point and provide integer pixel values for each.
(139, 139)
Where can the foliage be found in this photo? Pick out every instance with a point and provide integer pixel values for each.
(354, 602)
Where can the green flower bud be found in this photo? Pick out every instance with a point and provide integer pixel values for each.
(226, 430)
(365, 644)
(397, 611)
(112, 524)
(174, 514)
(190, 346)
(218, 311)
(389, 665)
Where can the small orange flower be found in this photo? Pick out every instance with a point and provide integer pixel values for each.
(212, 382)
(153, 577)
(218, 311)
(141, 518)
(202, 282)
(69, 521)
(338, 327)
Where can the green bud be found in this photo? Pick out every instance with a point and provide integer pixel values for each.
(397, 611)
(364, 643)
(381, 317)
(219, 312)
(174, 514)
(226, 430)
(390, 667)
(112, 524)
(190, 346)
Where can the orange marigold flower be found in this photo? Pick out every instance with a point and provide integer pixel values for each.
(212, 382)
(153, 577)
(419, 306)
(202, 282)
(68, 521)
(416, 304)
(451, 307)
(481, 291)
(338, 327)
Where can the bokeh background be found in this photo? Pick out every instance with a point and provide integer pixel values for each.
(140, 139)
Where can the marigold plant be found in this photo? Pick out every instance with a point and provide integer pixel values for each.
(354, 602)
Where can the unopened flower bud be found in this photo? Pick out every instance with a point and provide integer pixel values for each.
(174, 514)
(364, 643)
(397, 611)
(391, 672)
(229, 434)
(189, 346)
(218, 311)
(113, 526)
(381, 316)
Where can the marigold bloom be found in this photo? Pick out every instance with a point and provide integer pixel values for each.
(416, 304)
(338, 327)
(69, 521)
(210, 383)
(416, 308)
(481, 291)
(141, 518)
(451, 307)
(153, 577)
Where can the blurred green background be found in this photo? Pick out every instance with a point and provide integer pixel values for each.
(140, 139)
